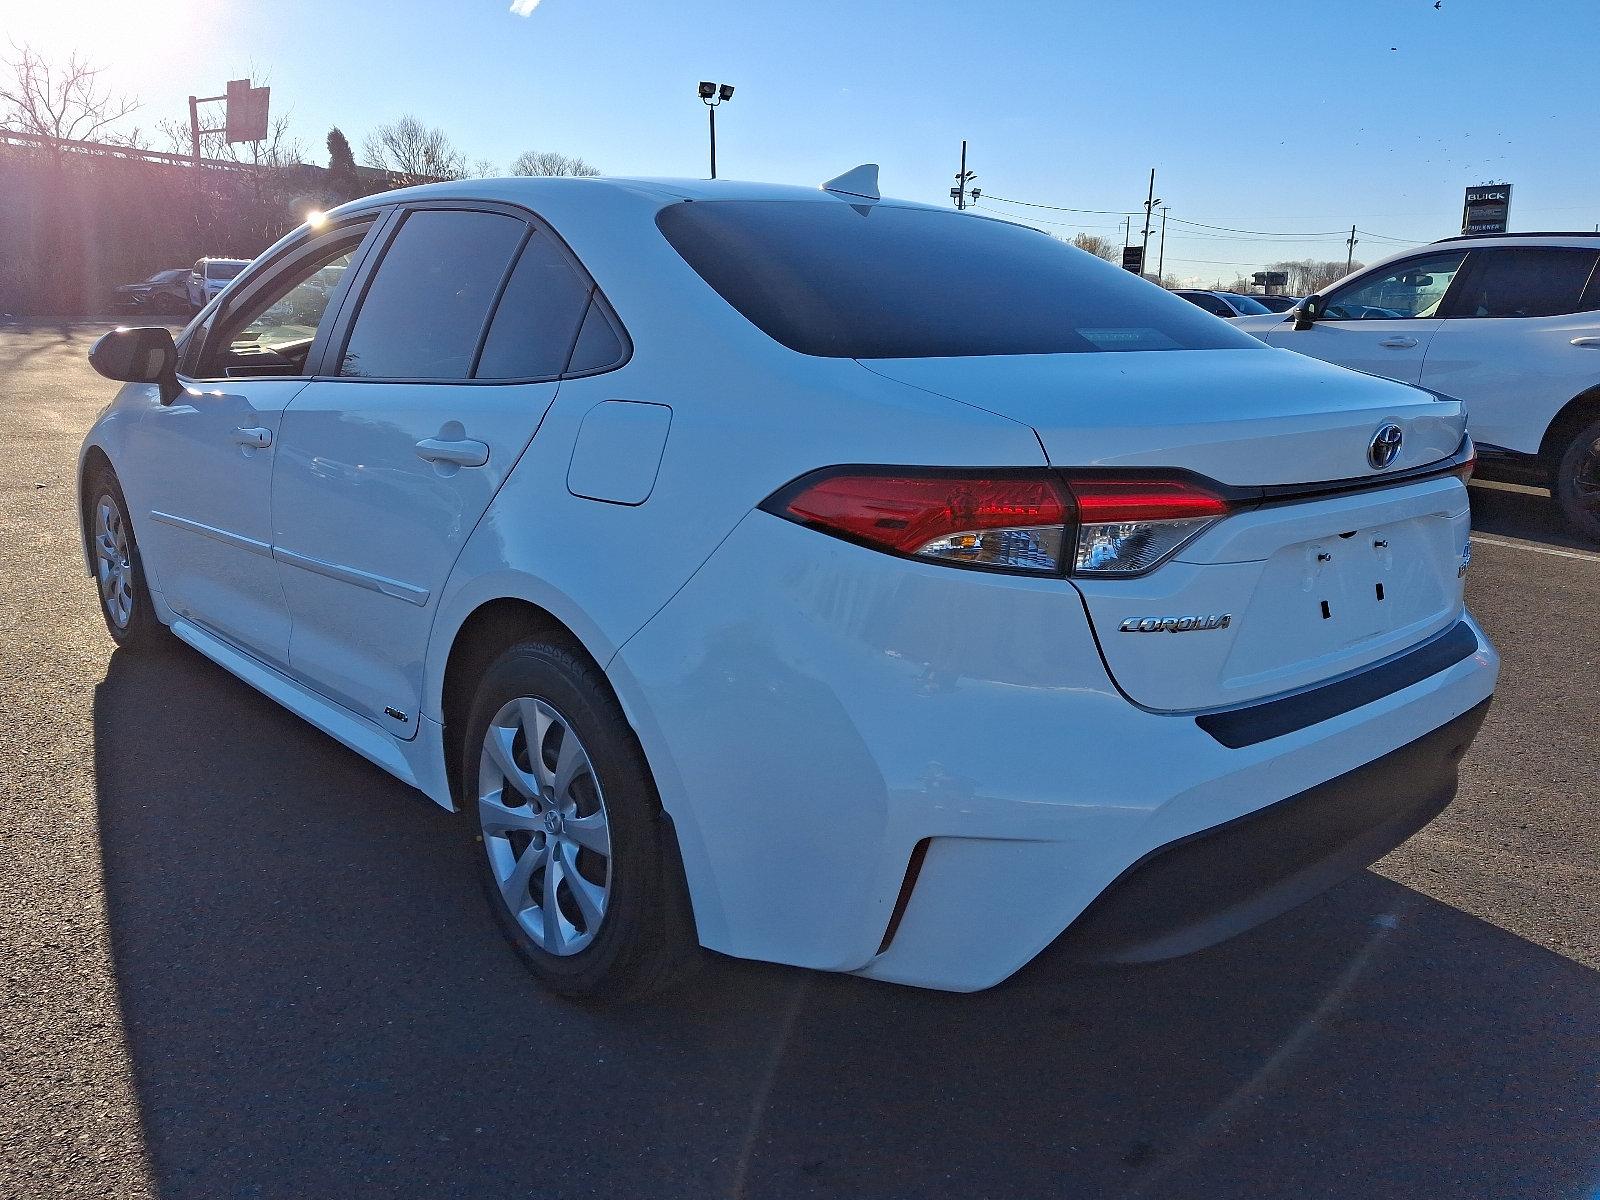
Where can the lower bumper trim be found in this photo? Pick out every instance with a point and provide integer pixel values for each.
(1203, 889)
(1239, 727)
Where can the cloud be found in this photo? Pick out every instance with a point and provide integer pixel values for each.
(523, 7)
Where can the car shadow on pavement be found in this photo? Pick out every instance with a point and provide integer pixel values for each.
(316, 1004)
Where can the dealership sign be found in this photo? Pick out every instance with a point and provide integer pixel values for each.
(1487, 208)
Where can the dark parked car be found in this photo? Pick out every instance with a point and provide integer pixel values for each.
(163, 292)
(1276, 303)
(1224, 304)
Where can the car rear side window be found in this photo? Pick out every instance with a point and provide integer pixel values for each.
(844, 280)
(538, 316)
(599, 348)
(424, 311)
(1524, 281)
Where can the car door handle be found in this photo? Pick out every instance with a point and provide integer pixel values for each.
(1398, 343)
(253, 436)
(463, 453)
(1591, 343)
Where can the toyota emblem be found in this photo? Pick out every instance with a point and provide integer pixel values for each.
(1385, 447)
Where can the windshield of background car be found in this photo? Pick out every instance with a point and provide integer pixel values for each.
(841, 280)
(1412, 288)
(1247, 305)
(218, 270)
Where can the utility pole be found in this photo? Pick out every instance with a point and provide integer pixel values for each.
(1161, 257)
(1350, 253)
(1126, 222)
(1150, 202)
(960, 192)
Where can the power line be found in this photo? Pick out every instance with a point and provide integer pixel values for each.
(1220, 230)
(1264, 232)
(1099, 212)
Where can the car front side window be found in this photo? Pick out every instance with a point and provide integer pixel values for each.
(271, 334)
(1411, 289)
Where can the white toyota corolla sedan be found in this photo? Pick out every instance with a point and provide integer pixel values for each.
(801, 574)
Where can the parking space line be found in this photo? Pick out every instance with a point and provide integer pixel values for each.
(1495, 485)
(1582, 555)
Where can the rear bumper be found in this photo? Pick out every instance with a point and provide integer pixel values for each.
(1205, 888)
(820, 717)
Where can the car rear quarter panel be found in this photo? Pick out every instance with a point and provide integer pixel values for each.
(747, 416)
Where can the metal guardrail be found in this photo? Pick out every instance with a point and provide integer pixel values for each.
(12, 137)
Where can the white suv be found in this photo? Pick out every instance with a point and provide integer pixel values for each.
(751, 586)
(1505, 323)
(209, 276)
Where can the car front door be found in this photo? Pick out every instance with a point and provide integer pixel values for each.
(205, 461)
(387, 462)
(1380, 322)
(1520, 338)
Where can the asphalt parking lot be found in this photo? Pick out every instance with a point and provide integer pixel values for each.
(239, 961)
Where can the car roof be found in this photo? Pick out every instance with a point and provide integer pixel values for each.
(521, 188)
(1587, 235)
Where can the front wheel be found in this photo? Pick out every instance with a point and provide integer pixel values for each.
(118, 568)
(575, 856)
(1577, 482)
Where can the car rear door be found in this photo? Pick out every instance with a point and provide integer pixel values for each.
(204, 462)
(1381, 322)
(1520, 339)
(439, 379)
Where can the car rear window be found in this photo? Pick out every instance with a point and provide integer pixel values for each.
(841, 280)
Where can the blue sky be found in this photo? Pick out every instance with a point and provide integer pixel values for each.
(1291, 116)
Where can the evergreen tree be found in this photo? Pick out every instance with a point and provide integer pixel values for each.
(343, 181)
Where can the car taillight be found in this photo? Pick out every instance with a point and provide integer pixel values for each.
(1464, 471)
(1127, 526)
(1028, 521)
(1006, 521)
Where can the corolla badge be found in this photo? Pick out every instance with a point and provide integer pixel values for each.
(1176, 624)
(1385, 446)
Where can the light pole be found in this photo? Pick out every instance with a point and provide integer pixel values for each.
(711, 95)
(1150, 202)
(961, 191)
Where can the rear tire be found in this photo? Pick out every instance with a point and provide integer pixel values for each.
(1577, 482)
(576, 858)
(119, 576)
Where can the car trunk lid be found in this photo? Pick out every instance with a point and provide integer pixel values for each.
(1291, 589)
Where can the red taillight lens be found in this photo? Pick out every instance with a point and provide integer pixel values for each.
(1464, 471)
(996, 521)
(1117, 500)
(1015, 521)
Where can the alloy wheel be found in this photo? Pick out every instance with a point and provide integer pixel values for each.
(1586, 480)
(545, 828)
(113, 561)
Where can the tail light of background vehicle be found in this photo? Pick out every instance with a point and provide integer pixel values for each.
(1017, 521)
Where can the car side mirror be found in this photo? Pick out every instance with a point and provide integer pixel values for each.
(1307, 311)
(145, 355)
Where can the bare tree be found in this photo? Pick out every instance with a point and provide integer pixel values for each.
(1310, 275)
(483, 168)
(62, 101)
(1100, 247)
(413, 152)
(549, 162)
